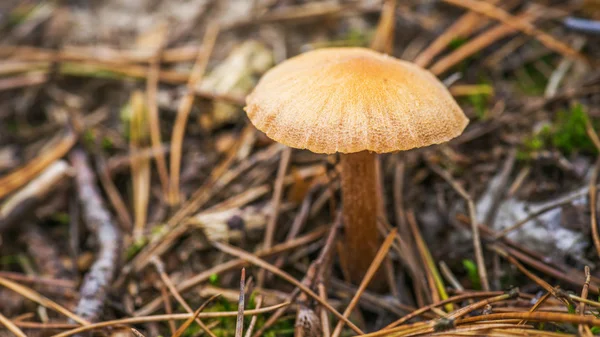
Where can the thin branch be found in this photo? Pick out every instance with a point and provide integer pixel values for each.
(537, 304)
(325, 328)
(153, 117)
(41, 300)
(188, 284)
(527, 273)
(259, 300)
(239, 324)
(478, 43)
(168, 307)
(140, 167)
(593, 189)
(175, 227)
(462, 27)
(261, 263)
(558, 203)
(436, 283)
(381, 254)
(194, 317)
(453, 299)
(584, 329)
(95, 286)
(474, 225)
(162, 318)
(208, 43)
(275, 205)
(528, 28)
(384, 35)
(19, 177)
(167, 281)
(310, 275)
(19, 206)
(10, 326)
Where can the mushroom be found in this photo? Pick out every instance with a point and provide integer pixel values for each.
(356, 102)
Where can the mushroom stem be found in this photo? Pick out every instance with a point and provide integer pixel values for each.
(360, 206)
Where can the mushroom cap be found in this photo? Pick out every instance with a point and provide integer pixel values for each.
(353, 99)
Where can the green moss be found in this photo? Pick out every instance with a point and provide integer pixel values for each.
(214, 279)
(9, 260)
(107, 144)
(571, 309)
(62, 218)
(193, 330)
(480, 100)
(353, 38)
(570, 134)
(89, 138)
(86, 70)
(135, 248)
(532, 81)
(535, 143)
(226, 327)
(125, 115)
(472, 273)
(357, 38)
(535, 85)
(566, 134)
(479, 103)
(457, 42)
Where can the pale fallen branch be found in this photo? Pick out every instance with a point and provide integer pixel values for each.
(99, 222)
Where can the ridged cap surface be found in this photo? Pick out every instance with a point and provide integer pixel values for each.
(353, 99)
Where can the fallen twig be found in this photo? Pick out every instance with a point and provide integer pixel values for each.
(435, 281)
(19, 207)
(528, 28)
(275, 205)
(593, 189)
(185, 108)
(175, 226)
(140, 167)
(193, 318)
(310, 275)
(152, 80)
(479, 42)
(584, 330)
(41, 300)
(463, 27)
(167, 281)
(381, 254)
(384, 35)
(261, 263)
(188, 284)
(94, 288)
(10, 326)
(24, 174)
(239, 324)
(161, 318)
(259, 300)
(479, 258)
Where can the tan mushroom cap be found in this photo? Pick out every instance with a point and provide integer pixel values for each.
(353, 99)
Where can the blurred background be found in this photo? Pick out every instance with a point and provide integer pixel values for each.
(123, 143)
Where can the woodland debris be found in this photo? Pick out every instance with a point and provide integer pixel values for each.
(54, 150)
(21, 205)
(235, 76)
(99, 222)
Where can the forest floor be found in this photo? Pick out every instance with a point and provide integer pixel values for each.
(135, 195)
